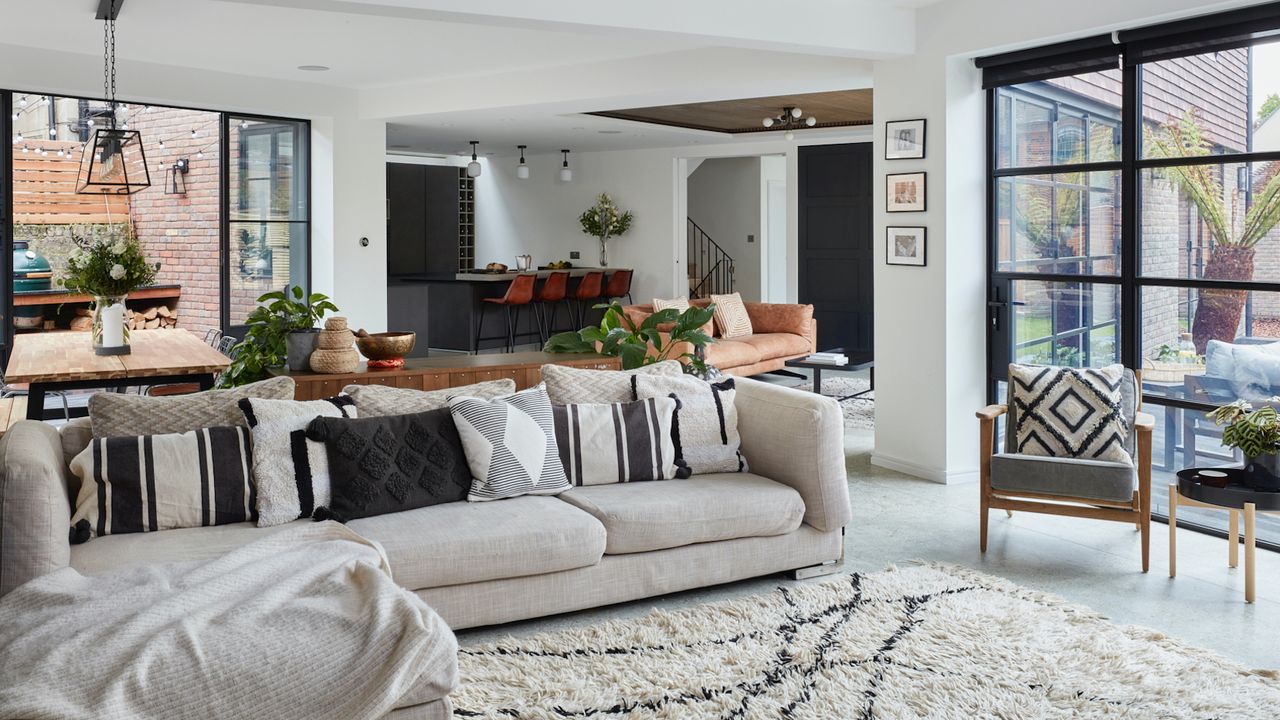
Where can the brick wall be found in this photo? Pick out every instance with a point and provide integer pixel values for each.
(181, 231)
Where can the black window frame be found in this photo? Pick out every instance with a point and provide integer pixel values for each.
(1127, 51)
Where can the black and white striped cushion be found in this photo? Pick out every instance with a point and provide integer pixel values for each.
(618, 442)
(705, 428)
(147, 483)
(510, 445)
(291, 472)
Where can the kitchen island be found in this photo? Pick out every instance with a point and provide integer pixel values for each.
(443, 308)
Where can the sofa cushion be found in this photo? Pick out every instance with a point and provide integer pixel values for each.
(780, 317)
(122, 414)
(776, 345)
(567, 385)
(640, 517)
(471, 542)
(116, 552)
(732, 320)
(379, 400)
(731, 353)
(1073, 477)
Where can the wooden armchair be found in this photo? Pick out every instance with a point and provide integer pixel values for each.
(1068, 486)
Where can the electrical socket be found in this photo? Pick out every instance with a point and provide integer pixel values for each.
(574, 255)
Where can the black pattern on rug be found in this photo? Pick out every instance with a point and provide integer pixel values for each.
(931, 641)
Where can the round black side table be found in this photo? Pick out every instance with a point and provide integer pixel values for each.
(1235, 498)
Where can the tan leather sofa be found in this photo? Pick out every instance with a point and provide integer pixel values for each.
(781, 331)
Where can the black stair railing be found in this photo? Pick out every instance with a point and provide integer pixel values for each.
(710, 267)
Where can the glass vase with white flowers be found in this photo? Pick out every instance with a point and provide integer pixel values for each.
(108, 269)
(603, 221)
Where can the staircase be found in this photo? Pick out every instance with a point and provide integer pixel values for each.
(710, 267)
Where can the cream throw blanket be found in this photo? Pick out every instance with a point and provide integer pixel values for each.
(306, 622)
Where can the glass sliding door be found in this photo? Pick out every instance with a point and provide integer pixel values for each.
(268, 210)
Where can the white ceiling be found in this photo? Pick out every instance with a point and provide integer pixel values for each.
(441, 72)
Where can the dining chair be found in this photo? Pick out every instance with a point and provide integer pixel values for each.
(519, 294)
(1070, 486)
(22, 390)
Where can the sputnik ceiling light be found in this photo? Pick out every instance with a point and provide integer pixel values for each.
(566, 175)
(473, 167)
(790, 120)
(114, 162)
(522, 169)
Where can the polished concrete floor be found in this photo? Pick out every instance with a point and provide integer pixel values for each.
(898, 519)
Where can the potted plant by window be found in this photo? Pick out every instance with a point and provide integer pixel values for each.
(108, 269)
(282, 330)
(1256, 434)
(603, 221)
(618, 336)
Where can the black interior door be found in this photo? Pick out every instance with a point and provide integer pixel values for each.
(835, 248)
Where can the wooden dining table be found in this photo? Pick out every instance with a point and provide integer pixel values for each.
(54, 361)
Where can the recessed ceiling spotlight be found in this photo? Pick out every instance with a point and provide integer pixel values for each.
(609, 132)
(313, 68)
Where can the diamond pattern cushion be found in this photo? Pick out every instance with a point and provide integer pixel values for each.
(121, 414)
(1069, 412)
(510, 445)
(571, 386)
(731, 316)
(378, 400)
(388, 464)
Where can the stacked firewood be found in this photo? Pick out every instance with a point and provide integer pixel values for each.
(158, 317)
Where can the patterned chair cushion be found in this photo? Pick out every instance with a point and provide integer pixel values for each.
(1071, 412)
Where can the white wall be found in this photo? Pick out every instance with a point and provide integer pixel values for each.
(930, 378)
(773, 227)
(725, 201)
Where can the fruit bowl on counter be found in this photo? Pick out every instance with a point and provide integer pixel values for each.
(385, 349)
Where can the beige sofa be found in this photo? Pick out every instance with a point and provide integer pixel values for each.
(496, 562)
(780, 332)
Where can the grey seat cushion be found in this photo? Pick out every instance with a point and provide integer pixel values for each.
(1073, 477)
(466, 542)
(644, 516)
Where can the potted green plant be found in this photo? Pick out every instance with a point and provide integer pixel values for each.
(603, 221)
(1256, 434)
(281, 331)
(618, 336)
(108, 269)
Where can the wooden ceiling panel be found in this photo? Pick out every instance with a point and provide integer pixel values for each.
(832, 109)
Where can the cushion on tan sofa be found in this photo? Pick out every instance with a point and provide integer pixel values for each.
(779, 317)
(776, 345)
(731, 353)
(640, 517)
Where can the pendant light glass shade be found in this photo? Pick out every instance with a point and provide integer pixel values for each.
(473, 167)
(566, 175)
(113, 163)
(522, 169)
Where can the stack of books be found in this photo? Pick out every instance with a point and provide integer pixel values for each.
(828, 358)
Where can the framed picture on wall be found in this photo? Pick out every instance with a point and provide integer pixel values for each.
(904, 192)
(905, 246)
(904, 140)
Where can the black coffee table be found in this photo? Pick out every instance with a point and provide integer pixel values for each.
(857, 361)
(1235, 498)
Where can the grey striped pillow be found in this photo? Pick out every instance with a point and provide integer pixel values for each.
(618, 442)
(510, 445)
(147, 483)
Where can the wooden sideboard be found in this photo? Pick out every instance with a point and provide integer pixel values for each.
(437, 373)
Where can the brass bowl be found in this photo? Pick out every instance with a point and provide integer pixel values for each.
(386, 345)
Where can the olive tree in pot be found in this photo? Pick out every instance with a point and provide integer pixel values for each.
(1256, 434)
(1231, 258)
(618, 336)
(281, 331)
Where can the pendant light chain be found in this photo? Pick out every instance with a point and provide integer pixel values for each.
(109, 60)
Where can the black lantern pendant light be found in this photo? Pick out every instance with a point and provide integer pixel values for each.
(113, 162)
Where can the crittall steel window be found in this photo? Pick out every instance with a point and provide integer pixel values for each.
(1134, 213)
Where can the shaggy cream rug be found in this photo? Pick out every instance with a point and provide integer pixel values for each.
(859, 412)
(916, 642)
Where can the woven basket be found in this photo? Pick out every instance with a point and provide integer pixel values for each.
(335, 361)
(336, 322)
(1167, 372)
(334, 339)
